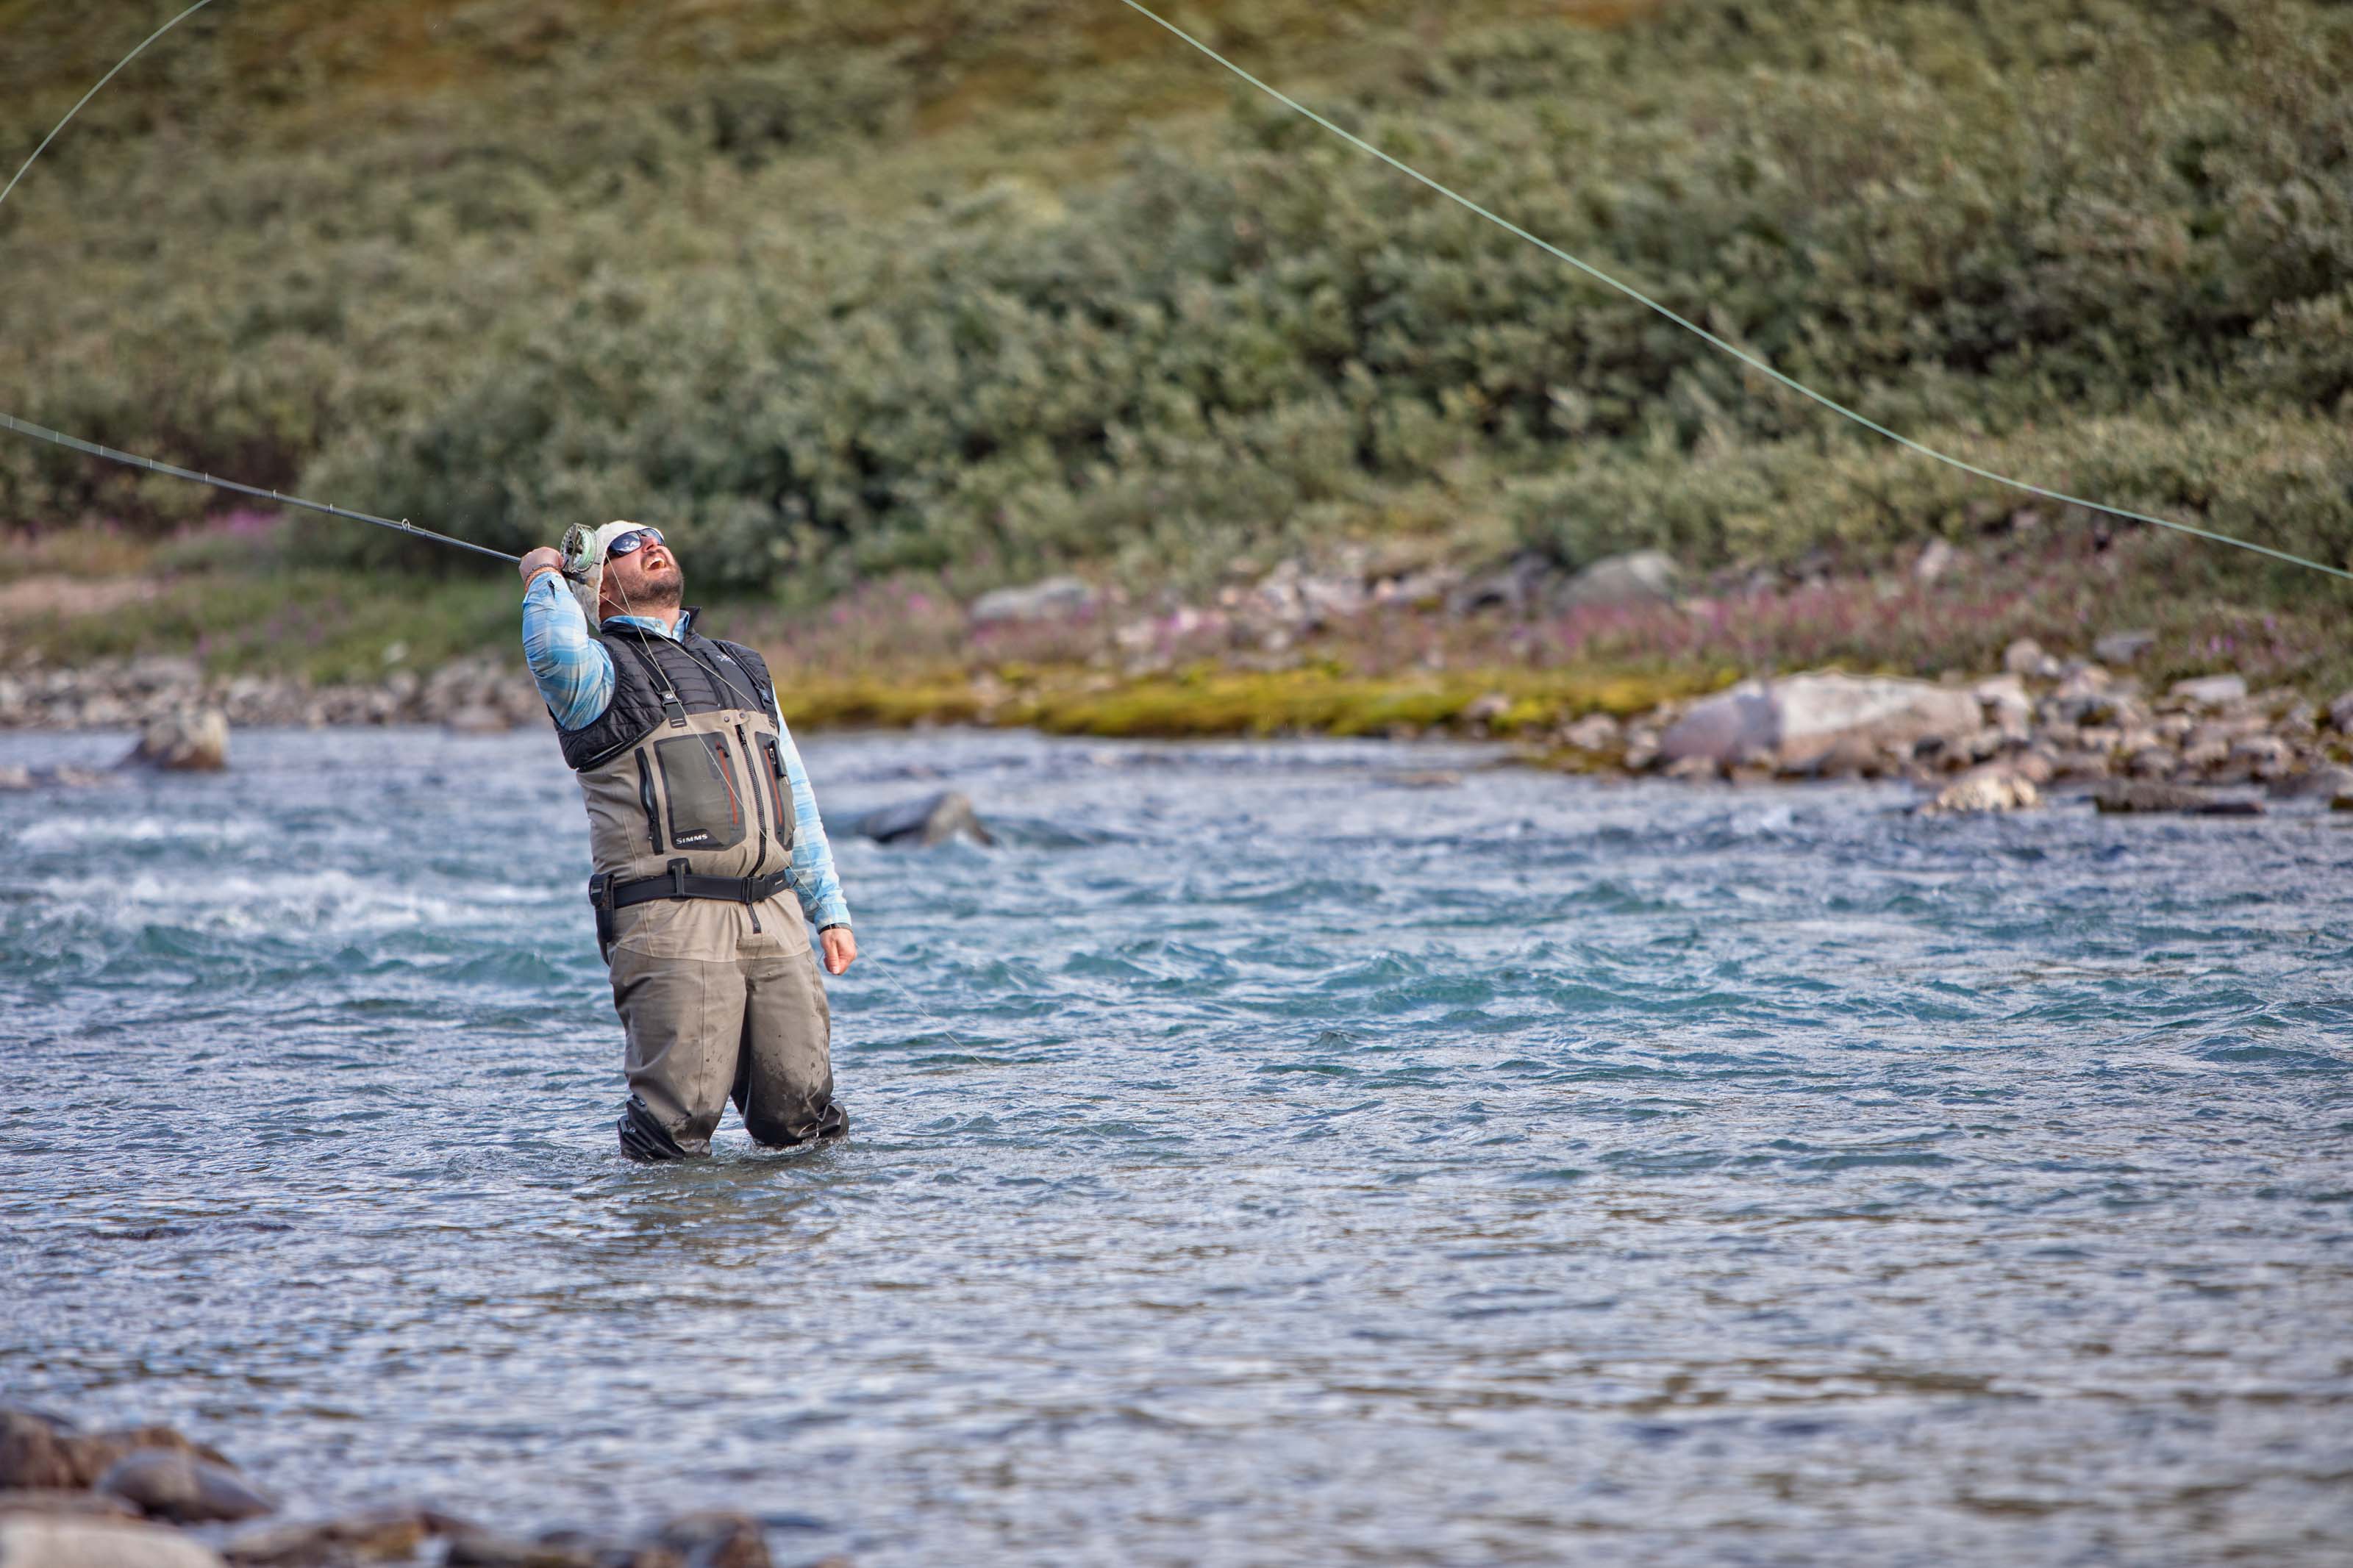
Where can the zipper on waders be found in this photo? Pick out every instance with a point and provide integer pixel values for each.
(759, 813)
(759, 801)
(646, 799)
(736, 804)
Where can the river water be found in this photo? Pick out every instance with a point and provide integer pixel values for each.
(1258, 1159)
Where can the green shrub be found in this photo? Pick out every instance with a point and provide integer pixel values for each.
(2104, 246)
(2281, 479)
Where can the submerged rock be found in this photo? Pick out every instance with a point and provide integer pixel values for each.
(1987, 789)
(932, 821)
(29, 1541)
(185, 742)
(166, 1483)
(2133, 795)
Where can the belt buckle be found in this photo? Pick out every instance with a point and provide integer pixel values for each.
(678, 879)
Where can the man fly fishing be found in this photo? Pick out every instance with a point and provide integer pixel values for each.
(699, 817)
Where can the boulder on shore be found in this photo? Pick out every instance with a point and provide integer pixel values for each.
(50, 1502)
(488, 1549)
(935, 820)
(166, 1483)
(2211, 690)
(2026, 658)
(1799, 720)
(1053, 599)
(2122, 647)
(185, 742)
(716, 1539)
(31, 1540)
(39, 1451)
(1638, 577)
(384, 1535)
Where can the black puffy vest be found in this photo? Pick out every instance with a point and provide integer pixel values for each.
(703, 673)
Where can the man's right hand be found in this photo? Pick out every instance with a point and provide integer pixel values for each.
(543, 559)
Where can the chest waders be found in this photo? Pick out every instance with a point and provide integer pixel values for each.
(690, 833)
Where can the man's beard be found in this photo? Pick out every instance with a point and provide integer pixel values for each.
(665, 591)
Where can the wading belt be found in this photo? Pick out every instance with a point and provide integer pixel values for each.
(606, 894)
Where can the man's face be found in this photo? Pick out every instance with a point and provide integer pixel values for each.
(647, 578)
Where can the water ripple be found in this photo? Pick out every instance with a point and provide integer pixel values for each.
(1253, 1166)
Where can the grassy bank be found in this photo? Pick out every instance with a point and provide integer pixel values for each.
(906, 652)
(1206, 700)
(972, 292)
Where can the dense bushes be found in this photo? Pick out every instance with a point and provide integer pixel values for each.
(2106, 246)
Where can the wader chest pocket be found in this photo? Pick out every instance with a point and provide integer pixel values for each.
(785, 814)
(706, 806)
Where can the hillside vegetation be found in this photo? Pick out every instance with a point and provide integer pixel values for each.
(981, 290)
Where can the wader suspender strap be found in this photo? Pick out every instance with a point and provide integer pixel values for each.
(671, 707)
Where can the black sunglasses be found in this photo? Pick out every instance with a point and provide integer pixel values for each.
(632, 542)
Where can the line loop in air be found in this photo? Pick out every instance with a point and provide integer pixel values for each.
(132, 459)
(1688, 325)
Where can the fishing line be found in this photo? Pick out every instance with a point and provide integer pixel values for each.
(929, 1016)
(1703, 335)
(132, 459)
(399, 525)
(86, 97)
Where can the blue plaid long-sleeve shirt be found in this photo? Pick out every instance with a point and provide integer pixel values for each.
(575, 674)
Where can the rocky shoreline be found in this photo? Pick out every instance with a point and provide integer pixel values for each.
(1996, 743)
(474, 695)
(148, 1497)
